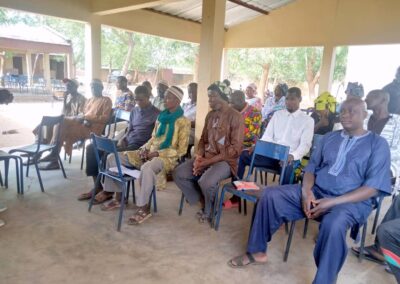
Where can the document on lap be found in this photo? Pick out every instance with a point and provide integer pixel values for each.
(129, 172)
(245, 185)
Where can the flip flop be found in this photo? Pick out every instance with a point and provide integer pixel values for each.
(367, 255)
(85, 196)
(101, 197)
(239, 261)
(112, 205)
(142, 215)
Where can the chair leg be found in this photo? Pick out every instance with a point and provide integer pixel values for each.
(305, 228)
(65, 156)
(70, 158)
(61, 166)
(266, 178)
(83, 153)
(133, 192)
(27, 166)
(362, 244)
(214, 209)
(39, 176)
(181, 204)
(121, 209)
(261, 177)
(21, 172)
(240, 206)
(289, 241)
(274, 178)
(1, 180)
(219, 212)
(378, 210)
(154, 199)
(94, 192)
(6, 167)
(286, 227)
(17, 176)
(245, 207)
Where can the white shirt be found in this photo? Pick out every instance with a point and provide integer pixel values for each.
(295, 130)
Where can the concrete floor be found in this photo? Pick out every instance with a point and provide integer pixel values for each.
(51, 238)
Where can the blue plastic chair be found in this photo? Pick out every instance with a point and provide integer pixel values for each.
(18, 169)
(265, 149)
(34, 151)
(106, 146)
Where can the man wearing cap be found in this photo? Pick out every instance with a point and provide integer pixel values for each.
(161, 153)
(95, 115)
(219, 147)
(158, 102)
(251, 96)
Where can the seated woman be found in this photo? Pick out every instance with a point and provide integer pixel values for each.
(324, 113)
(96, 113)
(168, 143)
(276, 102)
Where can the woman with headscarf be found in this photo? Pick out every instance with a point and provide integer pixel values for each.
(251, 96)
(324, 113)
(276, 102)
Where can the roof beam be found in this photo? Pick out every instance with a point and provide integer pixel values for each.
(106, 7)
(249, 6)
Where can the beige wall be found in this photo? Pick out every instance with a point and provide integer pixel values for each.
(319, 23)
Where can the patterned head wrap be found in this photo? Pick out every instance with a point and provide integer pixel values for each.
(177, 92)
(355, 89)
(325, 101)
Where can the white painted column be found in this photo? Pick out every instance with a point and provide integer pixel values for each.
(46, 71)
(327, 69)
(92, 50)
(28, 58)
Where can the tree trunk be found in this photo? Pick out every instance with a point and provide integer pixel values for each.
(263, 81)
(311, 76)
(131, 45)
(196, 68)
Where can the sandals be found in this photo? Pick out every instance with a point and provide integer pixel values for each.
(239, 261)
(112, 205)
(102, 197)
(368, 254)
(140, 216)
(85, 196)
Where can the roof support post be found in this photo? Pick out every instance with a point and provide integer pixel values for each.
(46, 71)
(29, 71)
(210, 55)
(92, 51)
(327, 68)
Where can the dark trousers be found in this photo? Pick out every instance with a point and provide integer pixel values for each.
(281, 204)
(264, 162)
(92, 169)
(388, 237)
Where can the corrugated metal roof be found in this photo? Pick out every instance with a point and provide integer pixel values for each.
(235, 14)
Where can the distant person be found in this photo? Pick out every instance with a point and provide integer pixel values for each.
(124, 98)
(158, 102)
(251, 96)
(353, 90)
(228, 86)
(394, 92)
(276, 102)
(189, 109)
(148, 85)
(324, 113)
(94, 118)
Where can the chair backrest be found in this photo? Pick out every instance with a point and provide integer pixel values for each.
(49, 122)
(109, 123)
(120, 115)
(270, 150)
(106, 146)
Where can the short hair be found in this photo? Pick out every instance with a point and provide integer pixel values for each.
(227, 82)
(238, 93)
(381, 93)
(97, 82)
(122, 79)
(147, 84)
(5, 96)
(294, 91)
(192, 85)
(215, 88)
(142, 90)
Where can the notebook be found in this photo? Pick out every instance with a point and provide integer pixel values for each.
(245, 185)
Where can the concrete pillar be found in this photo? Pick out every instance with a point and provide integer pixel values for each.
(327, 68)
(70, 66)
(28, 58)
(211, 46)
(46, 71)
(92, 50)
(225, 64)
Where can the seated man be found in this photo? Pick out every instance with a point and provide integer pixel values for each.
(345, 172)
(324, 113)
(141, 125)
(275, 103)
(158, 101)
(189, 109)
(290, 127)
(219, 147)
(161, 153)
(94, 118)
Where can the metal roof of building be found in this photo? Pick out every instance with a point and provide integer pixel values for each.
(235, 14)
(35, 34)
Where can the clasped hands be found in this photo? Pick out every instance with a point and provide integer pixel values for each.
(312, 207)
(199, 165)
(146, 155)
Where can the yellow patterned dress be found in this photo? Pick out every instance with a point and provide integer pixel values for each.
(169, 156)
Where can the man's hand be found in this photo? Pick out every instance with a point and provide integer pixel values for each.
(307, 198)
(199, 165)
(143, 154)
(290, 159)
(321, 206)
(152, 155)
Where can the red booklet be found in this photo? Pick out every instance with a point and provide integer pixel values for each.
(245, 185)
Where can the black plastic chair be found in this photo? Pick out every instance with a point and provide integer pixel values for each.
(18, 170)
(34, 151)
(106, 146)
